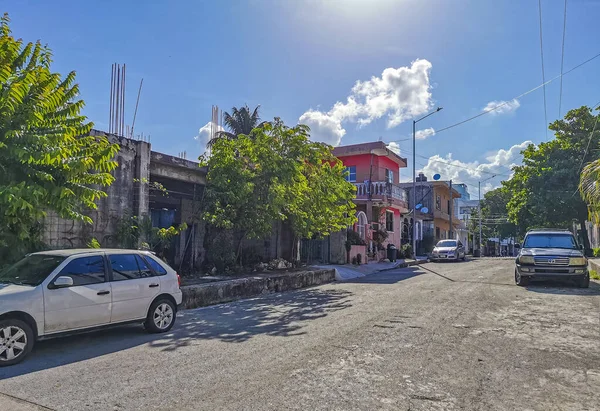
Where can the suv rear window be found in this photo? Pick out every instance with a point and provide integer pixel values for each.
(566, 241)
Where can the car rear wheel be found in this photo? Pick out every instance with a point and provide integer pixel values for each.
(16, 341)
(161, 316)
(584, 281)
(521, 280)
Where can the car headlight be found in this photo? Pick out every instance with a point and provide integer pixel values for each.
(526, 259)
(577, 261)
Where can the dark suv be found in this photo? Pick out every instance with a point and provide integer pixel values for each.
(551, 254)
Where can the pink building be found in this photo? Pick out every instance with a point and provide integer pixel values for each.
(375, 171)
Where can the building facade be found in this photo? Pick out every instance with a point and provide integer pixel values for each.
(380, 200)
(434, 201)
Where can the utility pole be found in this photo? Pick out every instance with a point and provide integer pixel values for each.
(414, 188)
(479, 212)
(450, 209)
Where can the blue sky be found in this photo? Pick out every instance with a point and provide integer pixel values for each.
(294, 57)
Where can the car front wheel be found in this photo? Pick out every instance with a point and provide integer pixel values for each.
(161, 316)
(584, 281)
(520, 280)
(16, 341)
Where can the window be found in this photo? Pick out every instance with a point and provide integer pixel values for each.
(129, 267)
(85, 270)
(438, 203)
(437, 233)
(31, 270)
(389, 176)
(362, 224)
(449, 209)
(351, 174)
(566, 241)
(156, 266)
(447, 243)
(389, 221)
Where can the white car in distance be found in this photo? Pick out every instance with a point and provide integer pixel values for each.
(53, 293)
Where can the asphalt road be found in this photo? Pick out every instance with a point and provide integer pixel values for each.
(441, 336)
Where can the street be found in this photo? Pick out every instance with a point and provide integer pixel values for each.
(437, 336)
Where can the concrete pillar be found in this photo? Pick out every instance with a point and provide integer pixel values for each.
(141, 206)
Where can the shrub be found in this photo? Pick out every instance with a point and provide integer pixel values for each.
(220, 252)
(354, 260)
(354, 238)
(359, 258)
(596, 252)
(406, 251)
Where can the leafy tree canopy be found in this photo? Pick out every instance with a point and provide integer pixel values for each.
(46, 160)
(544, 189)
(274, 174)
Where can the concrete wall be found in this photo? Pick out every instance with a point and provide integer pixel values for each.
(231, 290)
(123, 196)
(130, 195)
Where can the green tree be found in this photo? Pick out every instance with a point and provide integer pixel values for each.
(46, 160)
(274, 174)
(495, 214)
(545, 189)
(240, 121)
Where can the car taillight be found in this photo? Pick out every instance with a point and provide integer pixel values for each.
(178, 280)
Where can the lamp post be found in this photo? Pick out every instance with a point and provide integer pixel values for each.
(414, 189)
(479, 211)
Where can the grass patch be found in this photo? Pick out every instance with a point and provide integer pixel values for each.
(594, 275)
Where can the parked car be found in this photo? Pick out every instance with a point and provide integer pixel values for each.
(446, 250)
(53, 293)
(551, 254)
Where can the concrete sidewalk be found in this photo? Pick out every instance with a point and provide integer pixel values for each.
(347, 272)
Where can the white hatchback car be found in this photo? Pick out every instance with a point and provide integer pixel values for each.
(52, 293)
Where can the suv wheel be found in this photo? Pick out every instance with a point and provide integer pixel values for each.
(161, 316)
(584, 281)
(16, 341)
(520, 280)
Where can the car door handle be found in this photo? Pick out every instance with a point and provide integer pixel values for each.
(153, 285)
(103, 292)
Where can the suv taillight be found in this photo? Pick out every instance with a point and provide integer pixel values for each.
(178, 280)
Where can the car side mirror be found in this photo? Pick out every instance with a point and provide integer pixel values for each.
(62, 282)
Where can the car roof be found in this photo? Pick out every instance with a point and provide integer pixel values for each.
(73, 251)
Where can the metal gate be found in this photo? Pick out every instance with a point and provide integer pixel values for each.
(314, 250)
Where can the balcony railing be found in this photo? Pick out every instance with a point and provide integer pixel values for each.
(380, 189)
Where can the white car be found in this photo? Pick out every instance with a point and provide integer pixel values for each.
(52, 293)
(448, 250)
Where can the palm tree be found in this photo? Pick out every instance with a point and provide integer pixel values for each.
(240, 121)
(589, 186)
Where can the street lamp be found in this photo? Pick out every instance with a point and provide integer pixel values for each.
(414, 190)
(479, 211)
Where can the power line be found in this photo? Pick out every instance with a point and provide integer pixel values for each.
(562, 60)
(461, 166)
(517, 97)
(543, 71)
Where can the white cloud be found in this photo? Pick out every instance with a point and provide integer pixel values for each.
(323, 127)
(504, 107)
(399, 94)
(499, 163)
(423, 134)
(395, 147)
(204, 134)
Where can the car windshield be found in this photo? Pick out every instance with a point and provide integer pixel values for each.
(446, 243)
(550, 241)
(31, 270)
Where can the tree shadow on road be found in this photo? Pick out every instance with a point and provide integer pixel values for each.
(388, 277)
(277, 315)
